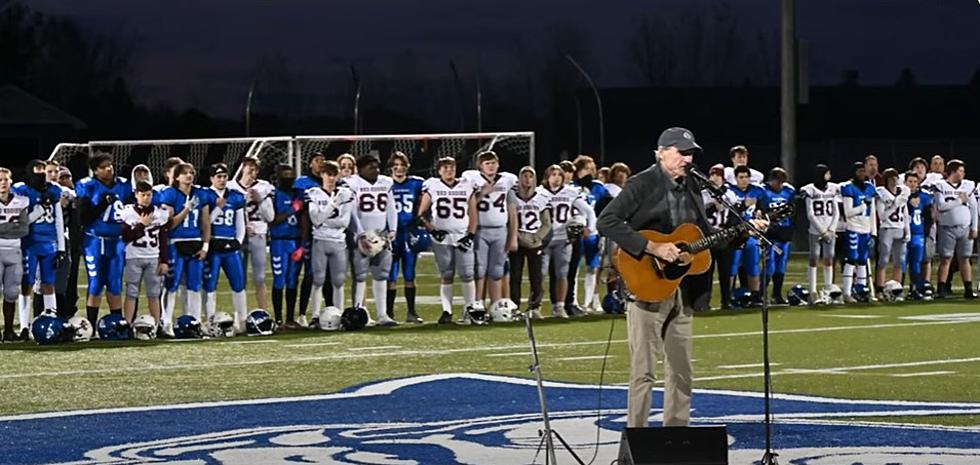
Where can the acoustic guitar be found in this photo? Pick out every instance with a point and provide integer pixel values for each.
(651, 279)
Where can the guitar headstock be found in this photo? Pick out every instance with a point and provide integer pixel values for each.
(779, 212)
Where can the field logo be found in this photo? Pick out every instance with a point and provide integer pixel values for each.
(470, 419)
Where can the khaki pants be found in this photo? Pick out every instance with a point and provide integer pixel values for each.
(644, 321)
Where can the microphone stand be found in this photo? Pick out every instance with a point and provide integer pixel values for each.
(769, 457)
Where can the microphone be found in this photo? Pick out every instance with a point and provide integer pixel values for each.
(704, 182)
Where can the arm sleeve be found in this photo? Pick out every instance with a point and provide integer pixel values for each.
(59, 224)
(16, 229)
(266, 212)
(973, 213)
(584, 207)
(132, 233)
(162, 239)
(851, 211)
(355, 223)
(545, 228)
(240, 225)
(945, 204)
(613, 222)
(392, 214)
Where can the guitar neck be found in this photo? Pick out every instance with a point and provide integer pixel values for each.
(710, 240)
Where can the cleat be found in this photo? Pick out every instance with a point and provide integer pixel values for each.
(446, 318)
(10, 336)
(848, 299)
(387, 323)
(25, 335)
(302, 322)
(574, 311)
(413, 318)
(558, 312)
(535, 313)
(969, 295)
(314, 323)
(165, 332)
(778, 300)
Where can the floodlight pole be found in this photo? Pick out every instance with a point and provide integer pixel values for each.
(788, 88)
(598, 102)
(248, 110)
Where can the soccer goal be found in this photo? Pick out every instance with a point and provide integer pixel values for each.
(515, 149)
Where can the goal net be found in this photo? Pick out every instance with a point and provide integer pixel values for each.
(515, 149)
(201, 153)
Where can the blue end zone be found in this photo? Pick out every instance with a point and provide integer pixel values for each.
(466, 418)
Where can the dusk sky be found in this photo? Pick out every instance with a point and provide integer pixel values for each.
(206, 53)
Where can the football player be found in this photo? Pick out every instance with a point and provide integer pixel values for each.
(533, 227)
(452, 226)
(190, 208)
(496, 234)
(822, 199)
(331, 214)
(14, 225)
(303, 184)
(778, 191)
(347, 164)
(957, 226)
(920, 222)
(406, 191)
(286, 244)
(98, 200)
(227, 237)
(563, 201)
(376, 212)
(859, 216)
(259, 213)
(720, 217)
(893, 228)
(747, 256)
(740, 157)
(596, 195)
(144, 230)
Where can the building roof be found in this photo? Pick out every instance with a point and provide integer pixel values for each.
(17, 107)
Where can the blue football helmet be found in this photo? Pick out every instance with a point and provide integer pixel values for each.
(741, 297)
(419, 240)
(49, 329)
(187, 327)
(860, 293)
(113, 327)
(613, 304)
(259, 323)
(798, 295)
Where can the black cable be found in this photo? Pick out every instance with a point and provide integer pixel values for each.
(602, 375)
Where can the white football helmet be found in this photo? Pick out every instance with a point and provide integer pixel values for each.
(221, 325)
(476, 313)
(575, 226)
(330, 319)
(502, 311)
(372, 243)
(83, 329)
(893, 291)
(832, 294)
(144, 328)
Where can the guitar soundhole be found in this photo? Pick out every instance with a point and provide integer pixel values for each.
(674, 270)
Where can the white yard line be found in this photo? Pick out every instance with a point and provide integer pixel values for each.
(856, 317)
(354, 349)
(511, 354)
(846, 370)
(925, 373)
(747, 365)
(313, 344)
(584, 357)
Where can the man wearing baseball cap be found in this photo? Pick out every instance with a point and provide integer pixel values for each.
(661, 198)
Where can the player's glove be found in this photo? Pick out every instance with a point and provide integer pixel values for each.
(297, 255)
(192, 202)
(60, 258)
(297, 205)
(438, 235)
(466, 243)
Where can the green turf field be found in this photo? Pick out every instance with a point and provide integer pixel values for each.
(920, 351)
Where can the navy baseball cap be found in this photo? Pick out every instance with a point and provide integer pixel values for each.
(680, 138)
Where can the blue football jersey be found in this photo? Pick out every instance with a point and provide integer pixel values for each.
(45, 228)
(304, 183)
(785, 195)
(753, 194)
(92, 190)
(917, 215)
(593, 193)
(282, 202)
(190, 228)
(223, 225)
(407, 195)
(858, 194)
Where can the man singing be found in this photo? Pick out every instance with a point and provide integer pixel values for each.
(661, 198)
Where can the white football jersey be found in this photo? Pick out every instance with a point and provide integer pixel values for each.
(822, 207)
(952, 211)
(330, 212)
(147, 246)
(562, 202)
(450, 204)
(529, 211)
(10, 212)
(491, 208)
(893, 208)
(257, 215)
(613, 189)
(375, 206)
(717, 215)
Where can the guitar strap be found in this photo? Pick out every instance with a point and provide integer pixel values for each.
(670, 317)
